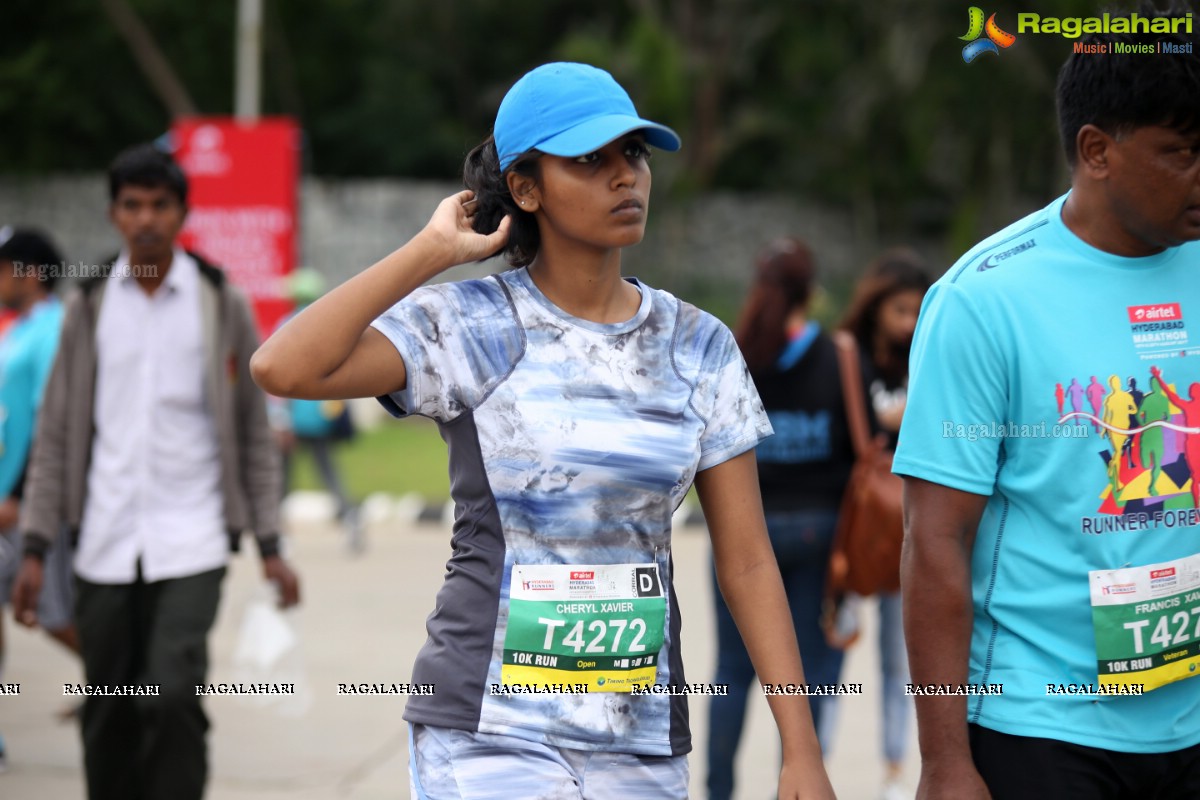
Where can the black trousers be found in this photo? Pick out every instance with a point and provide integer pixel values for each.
(1030, 768)
(149, 634)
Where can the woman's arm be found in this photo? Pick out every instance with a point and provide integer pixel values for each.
(751, 585)
(330, 352)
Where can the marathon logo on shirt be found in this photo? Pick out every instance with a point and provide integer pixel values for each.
(1160, 312)
(582, 579)
(1157, 327)
(1163, 578)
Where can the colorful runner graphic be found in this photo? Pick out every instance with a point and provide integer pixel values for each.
(1152, 462)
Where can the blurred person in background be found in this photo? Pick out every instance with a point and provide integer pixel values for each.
(882, 316)
(153, 446)
(29, 264)
(316, 426)
(802, 472)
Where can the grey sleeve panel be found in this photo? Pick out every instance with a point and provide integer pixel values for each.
(681, 732)
(462, 627)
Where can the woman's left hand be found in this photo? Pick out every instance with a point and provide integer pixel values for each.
(798, 783)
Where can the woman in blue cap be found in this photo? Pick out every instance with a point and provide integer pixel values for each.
(578, 407)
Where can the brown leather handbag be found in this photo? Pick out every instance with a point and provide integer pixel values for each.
(870, 529)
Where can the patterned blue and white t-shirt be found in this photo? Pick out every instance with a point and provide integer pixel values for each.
(571, 443)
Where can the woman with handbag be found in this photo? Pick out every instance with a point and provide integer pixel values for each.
(802, 471)
(881, 318)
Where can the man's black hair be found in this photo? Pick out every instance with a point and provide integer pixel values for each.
(27, 248)
(146, 166)
(1118, 92)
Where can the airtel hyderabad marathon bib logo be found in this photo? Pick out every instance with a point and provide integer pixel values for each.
(988, 37)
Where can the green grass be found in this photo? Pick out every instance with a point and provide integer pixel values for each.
(398, 457)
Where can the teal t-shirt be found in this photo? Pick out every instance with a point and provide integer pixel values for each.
(1032, 383)
(26, 356)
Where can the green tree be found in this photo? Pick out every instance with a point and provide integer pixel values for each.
(868, 107)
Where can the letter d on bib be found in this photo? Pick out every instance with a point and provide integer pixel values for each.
(647, 582)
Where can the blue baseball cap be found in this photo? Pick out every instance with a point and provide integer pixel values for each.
(567, 109)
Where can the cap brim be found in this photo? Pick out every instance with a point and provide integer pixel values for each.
(590, 136)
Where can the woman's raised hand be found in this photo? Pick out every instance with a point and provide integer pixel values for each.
(450, 231)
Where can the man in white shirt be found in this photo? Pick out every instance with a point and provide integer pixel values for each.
(154, 447)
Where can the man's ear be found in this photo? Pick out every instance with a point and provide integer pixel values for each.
(1092, 150)
(524, 191)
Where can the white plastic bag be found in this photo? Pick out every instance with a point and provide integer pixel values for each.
(268, 652)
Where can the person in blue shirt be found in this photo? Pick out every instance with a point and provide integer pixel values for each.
(1051, 581)
(29, 264)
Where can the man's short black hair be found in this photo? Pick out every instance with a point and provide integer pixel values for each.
(146, 166)
(1118, 92)
(27, 248)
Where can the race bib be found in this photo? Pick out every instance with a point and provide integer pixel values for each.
(1147, 622)
(601, 626)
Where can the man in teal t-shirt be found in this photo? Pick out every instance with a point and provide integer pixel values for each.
(1052, 564)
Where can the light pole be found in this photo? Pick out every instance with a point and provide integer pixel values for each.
(248, 67)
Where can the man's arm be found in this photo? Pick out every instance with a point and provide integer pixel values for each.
(940, 524)
(1167, 390)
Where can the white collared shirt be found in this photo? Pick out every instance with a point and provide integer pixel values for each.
(154, 483)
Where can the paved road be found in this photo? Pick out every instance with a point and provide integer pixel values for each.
(362, 621)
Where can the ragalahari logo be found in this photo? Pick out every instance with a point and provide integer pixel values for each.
(996, 40)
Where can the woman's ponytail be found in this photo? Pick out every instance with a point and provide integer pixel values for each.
(481, 174)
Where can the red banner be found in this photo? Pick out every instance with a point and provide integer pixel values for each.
(242, 198)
